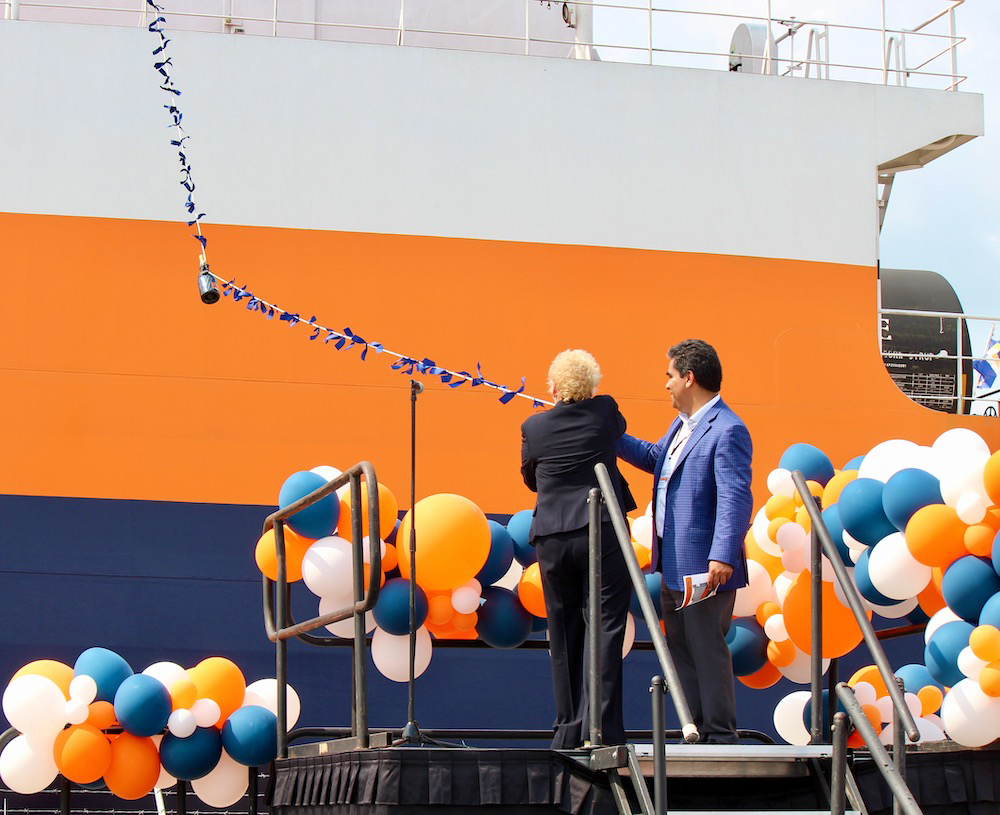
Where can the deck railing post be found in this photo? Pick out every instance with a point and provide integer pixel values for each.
(594, 691)
(658, 690)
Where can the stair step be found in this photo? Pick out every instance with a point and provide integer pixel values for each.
(734, 760)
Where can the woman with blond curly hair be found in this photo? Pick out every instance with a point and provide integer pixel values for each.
(559, 449)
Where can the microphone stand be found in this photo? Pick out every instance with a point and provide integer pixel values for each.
(411, 732)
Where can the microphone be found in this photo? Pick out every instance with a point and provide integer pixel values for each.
(416, 387)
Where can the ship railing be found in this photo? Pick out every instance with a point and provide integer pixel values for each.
(964, 396)
(821, 543)
(278, 621)
(632, 31)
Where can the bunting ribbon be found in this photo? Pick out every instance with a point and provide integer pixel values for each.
(344, 339)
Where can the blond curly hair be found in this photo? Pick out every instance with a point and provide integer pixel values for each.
(573, 375)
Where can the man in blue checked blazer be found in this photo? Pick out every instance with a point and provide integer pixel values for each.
(702, 507)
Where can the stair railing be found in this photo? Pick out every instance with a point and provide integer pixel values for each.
(278, 622)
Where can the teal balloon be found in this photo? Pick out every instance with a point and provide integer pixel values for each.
(990, 615)
(748, 645)
(519, 529)
(907, 491)
(316, 520)
(831, 517)
(392, 609)
(861, 511)
(654, 581)
(941, 653)
(250, 736)
(500, 557)
(915, 677)
(191, 758)
(106, 668)
(968, 584)
(812, 462)
(503, 621)
(142, 705)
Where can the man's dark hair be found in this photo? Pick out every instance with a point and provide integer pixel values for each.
(701, 359)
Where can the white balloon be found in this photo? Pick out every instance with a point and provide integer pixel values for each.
(181, 723)
(944, 615)
(959, 439)
(827, 574)
(865, 693)
(225, 785)
(894, 571)
(971, 507)
(929, 731)
(629, 635)
(855, 554)
(327, 567)
(27, 765)
(885, 708)
(366, 549)
(775, 628)
(649, 509)
(512, 578)
(465, 600)
(326, 471)
(642, 531)
(779, 482)
(264, 693)
(794, 560)
(969, 664)
(165, 779)
(791, 537)
(166, 673)
(343, 628)
(886, 459)
(853, 543)
(970, 716)
(788, 717)
(913, 704)
(475, 585)
(76, 711)
(782, 583)
(962, 473)
(391, 654)
(895, 611)
(759, 528)
(759, 589)
(83, 688)
(799, 670)
(35, 705)
(206, 712)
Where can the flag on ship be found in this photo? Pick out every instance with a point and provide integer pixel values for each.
(984, 366)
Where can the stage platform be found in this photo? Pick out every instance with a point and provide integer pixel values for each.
(945, 779)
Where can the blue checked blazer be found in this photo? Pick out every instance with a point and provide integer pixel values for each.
(708, 504)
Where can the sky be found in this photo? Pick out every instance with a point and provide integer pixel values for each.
(944, 217)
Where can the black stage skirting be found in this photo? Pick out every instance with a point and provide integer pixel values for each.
(408, 781)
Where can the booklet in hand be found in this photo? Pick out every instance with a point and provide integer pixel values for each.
(696, 589)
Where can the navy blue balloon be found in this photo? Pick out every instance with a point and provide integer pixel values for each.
(918, 616)
(915, 677)
(392, 609)
(391, 537)
(316, 520)
(812, 462)
(106, 668)
(825, 705)
(519, 528)
(854, 463)
(831, 517)
(861, 511)
(654, 581)
(503, 621)
(191, 758)
(748, 646)
(142, 705)
(995, 553)
(538, 624)
(864, 583)
(250, 736)
(941, 653)
(500, 557)
(968, 584)
(906, 492)
(990, 615)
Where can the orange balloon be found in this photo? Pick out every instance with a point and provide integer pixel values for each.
(764, 678)
(985, 643)
(841, 632)
(991, 477)
(930, 598)
(779, 506)
(529, 590)
(220, 679)
(389, 559)
(183, 694)
(82, 753)
(802, 519)
(773, 564)
(58, 672)
(465, 622)
(102, 715)
(815, 490)
(781, 654)
(642, 554)
(266, 554)
(452, 541)
(134, 768)
(989, 679)
(855, 740)
(439, 609)
(767, 610)
(831, 493)
(979, 538)
(388, 513)
(930, 697)
(872, 714)
(774, 526)
(935, 535)
(870, 675)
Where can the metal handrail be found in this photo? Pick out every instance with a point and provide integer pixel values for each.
(688, 727)
(277, 614)
(893, 778)
(821, 536)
